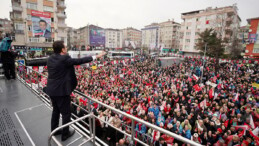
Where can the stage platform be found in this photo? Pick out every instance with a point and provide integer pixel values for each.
(25, 118)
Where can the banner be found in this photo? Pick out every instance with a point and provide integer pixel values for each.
(97, 37)
(41, 23)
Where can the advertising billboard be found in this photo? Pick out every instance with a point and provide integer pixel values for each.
(41, 24)
(97, 37)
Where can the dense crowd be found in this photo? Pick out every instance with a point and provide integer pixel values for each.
(219, 109)
(222, 110)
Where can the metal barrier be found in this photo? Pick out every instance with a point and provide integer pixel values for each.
(92, 135)
(22, 75)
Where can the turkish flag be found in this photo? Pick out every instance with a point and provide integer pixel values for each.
(207, 21)
(197, 88)
(211, 93)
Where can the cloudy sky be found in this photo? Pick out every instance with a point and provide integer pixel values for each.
(138, 13)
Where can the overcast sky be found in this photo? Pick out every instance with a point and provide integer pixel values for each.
(138, 13)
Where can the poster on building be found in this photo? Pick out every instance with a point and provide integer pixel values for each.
(97, 37)
(41, 24)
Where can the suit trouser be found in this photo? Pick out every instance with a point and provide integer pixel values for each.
(9, 70)
(61, 105)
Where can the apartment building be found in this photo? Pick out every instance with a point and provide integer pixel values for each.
(72, 39)
(150, 36)
(37, 23)
(113, 38)
(225, 21)
(90, 37)
(131, 38)
(169, 35)
(5, 26)
(250, 37)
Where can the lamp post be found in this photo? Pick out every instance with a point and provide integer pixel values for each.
(203, 61)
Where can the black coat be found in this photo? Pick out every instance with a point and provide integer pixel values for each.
(8, 57)
(61, 74)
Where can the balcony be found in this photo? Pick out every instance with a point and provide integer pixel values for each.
(62, 34)
(17, 8)
(61, 5)
(62, 25)
(19, 31)
(61, 15)
(14, 17)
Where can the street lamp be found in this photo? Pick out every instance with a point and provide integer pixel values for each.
(203, 61)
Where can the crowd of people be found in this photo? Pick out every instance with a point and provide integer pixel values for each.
(222, 110)
(216, 107)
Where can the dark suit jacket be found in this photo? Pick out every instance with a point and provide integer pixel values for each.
(61, 74)
(47, 34)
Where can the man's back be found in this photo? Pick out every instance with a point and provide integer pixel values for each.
(61, 76)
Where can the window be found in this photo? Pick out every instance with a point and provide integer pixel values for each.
(32, 6)
(187, 40)
(49, 9)
(188, 33)
(30, 27)
(32, 39)
(19, 26)
(196, 33)
(28, 17)
(187, 27)
(186, 47)
(256, 50)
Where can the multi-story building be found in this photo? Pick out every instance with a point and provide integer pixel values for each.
(250, 37)
(150, 36)
(37, 23)
(83, 38)
(225, 21)
(131, 38)
(5, 26)
(72, 39)
(90, 37)
(169, 35)
(113, 38)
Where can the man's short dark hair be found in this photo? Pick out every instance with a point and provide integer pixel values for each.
(43, 21)
(58, 46)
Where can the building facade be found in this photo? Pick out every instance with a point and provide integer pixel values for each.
(72, 39)
(37, 23)
(90, 37)
(150, 36)
(251, 39)
(169, 35)
(225, 21)
(5, 26)
(113, 38)
(131, 38)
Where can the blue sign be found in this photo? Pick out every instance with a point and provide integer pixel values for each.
(36, 49)
(20, 64)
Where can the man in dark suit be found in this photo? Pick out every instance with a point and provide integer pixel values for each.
(61, 82)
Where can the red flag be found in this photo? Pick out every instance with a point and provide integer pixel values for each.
(226, 123)
(252, 124)
(36, 68)
(207, 21)
(236, 97)
(189, 79)
(197, 88)
(211, 93)
(195, 77)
